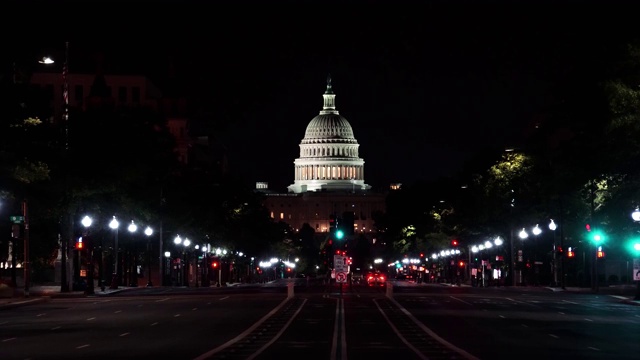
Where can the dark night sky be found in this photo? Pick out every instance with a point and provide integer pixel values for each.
(423, 84)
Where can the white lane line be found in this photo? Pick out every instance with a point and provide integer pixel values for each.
(554, 336)
(523, 325)
(397, 332)
(462, 301)
(117, 311)
(161, 300)
(592, 348)
(56, 328)
(194, 309)
(560, 312)
(176, 315)
(124, 334)
(431, 333)
(82, 346)
(40, 315)
(265, 346)
(91, 318)
(210, 353)
(502, 316)
(9, 339)
(588, 320)
(154, 324)
(570, 302)
(339, 333)
(226, 297)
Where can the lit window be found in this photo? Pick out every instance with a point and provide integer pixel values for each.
(281, 216)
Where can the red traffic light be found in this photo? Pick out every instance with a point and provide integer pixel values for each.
(588, 227)
(454, 242)
(214, 264)
(461, 264)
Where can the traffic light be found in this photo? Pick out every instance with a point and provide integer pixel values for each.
(461, 263)
(454, 242)
(214, 264)
(339, 234)
(570, 252)
(79, 244)
(600, 252)
(596, 236)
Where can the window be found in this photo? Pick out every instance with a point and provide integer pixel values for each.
(122, 94)
(135, 94)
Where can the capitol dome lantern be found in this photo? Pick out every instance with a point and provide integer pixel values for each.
(329, 158)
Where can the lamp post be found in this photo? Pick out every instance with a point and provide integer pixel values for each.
(114, 224)
(553, 227)
(179, 277)
(133, 280)
(635, 215)
(185, 270)
(86, 222)
(148, 231)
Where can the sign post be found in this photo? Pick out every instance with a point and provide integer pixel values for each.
(341, 268)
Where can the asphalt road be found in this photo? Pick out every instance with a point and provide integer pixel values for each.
(265, 322)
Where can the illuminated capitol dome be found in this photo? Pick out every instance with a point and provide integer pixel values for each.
(329, 153)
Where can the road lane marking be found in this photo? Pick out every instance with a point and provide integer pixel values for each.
(554, 336)
(523, 325)
(462, 301)
(82, 346)
(570, 302)
(244, 334)
(339, 333)
(226, 297)
(431, 333)
(154, 324)
(117, 311)
(91, 318)
(124, 334)
(502, 316)
(161, 300)
(523, 302)
(397, 332)
(560, 312)
(194, 309)
(588, 320)
(9, 339)
(40, 315)
(592, 348)
(285, 327)
(56, 328)
(176, 315)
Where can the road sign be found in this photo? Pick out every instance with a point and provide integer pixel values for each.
(340, 263)
(16, 219)
(636, 269)
(341, 277)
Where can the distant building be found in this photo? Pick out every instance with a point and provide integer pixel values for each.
(131, 91)
(329, 178)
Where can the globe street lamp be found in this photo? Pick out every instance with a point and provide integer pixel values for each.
(179, 277)
(185, 270)
(114, 224)
(133, 281)
(148, 231)
(86, 222)
(553, 227)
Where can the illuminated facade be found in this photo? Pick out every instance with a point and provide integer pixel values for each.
(328, 178)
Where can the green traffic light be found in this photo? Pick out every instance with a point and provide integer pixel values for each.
(636, 246)
(339, 234)
(597, 237)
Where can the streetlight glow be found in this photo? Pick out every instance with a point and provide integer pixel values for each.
(86, 221)
(536, 230)
(148, 231)
(46, 60)
(553, 226)
(635, 215)
(114, 223)
(132, 227)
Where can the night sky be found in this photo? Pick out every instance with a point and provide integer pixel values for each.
(424, 85)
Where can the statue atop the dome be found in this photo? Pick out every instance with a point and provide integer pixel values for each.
(329, 90)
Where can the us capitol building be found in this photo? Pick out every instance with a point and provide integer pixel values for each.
(328, 178)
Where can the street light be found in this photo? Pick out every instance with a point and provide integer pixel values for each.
(553, 227)
(635, 215)
(148, 231)
(185, 255)
(86, 222)
(132, 274)
(114, 224)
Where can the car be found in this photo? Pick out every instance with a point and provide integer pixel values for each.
(376, 279)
